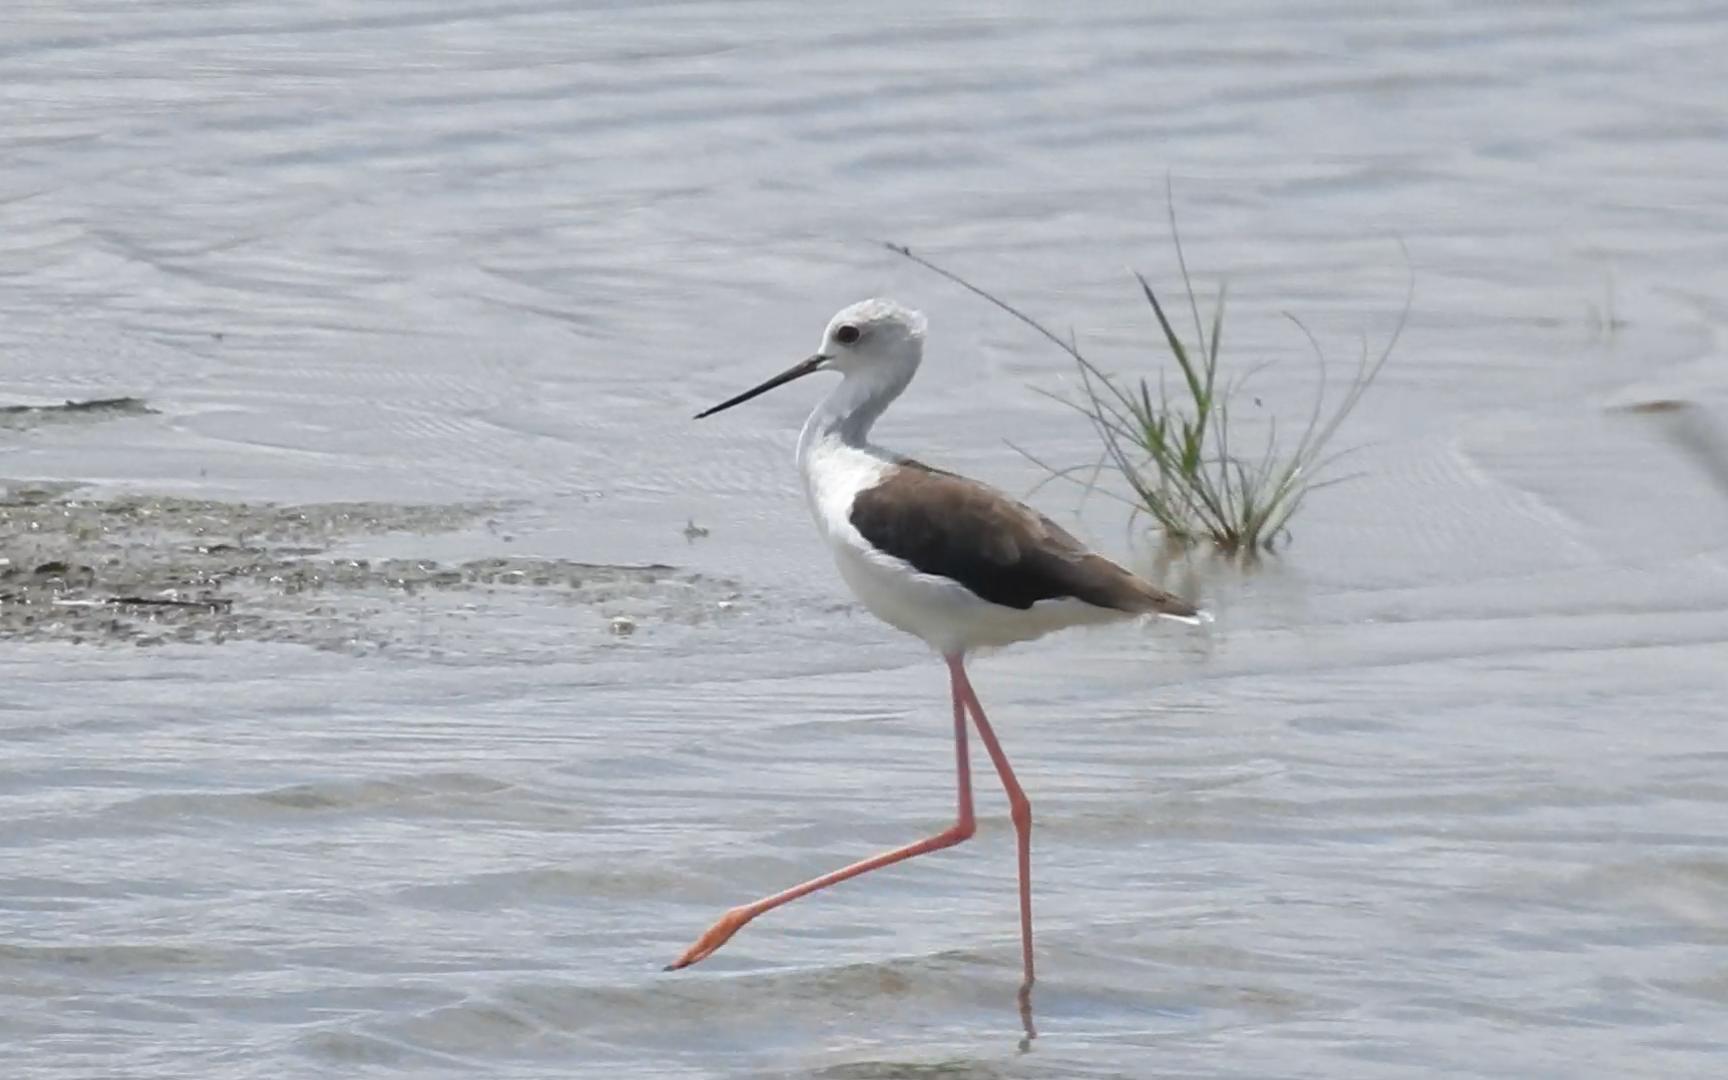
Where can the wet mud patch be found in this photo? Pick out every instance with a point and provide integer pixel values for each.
(153, 570)
(25, 417)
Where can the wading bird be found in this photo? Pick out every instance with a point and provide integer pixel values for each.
(944, 558)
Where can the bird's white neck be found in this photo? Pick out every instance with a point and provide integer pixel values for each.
(846, 415)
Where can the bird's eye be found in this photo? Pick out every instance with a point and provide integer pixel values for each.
(847, 334)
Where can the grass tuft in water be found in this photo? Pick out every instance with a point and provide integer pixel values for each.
(1174, 449)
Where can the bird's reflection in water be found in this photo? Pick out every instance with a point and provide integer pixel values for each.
(1697, 432)
(1026, 1017)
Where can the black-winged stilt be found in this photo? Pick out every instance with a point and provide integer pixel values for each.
(947, 559)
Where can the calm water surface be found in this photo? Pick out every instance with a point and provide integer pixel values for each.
(1441, 793)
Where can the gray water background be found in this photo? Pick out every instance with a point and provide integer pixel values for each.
(1441, 793)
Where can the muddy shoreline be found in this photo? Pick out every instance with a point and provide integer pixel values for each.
(147, 570)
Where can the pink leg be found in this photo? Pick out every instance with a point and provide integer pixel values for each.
(1020, 809)
(964, 826)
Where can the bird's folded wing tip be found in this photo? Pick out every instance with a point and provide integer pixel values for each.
(1200, 617)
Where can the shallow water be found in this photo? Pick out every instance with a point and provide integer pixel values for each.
(1441, 791)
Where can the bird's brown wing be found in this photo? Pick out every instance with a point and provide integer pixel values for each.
(1002, 550)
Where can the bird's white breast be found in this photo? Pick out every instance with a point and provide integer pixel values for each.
(834, 474)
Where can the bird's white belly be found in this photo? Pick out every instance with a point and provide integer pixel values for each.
(944, 613)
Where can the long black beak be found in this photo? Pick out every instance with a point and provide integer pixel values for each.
(796, 371)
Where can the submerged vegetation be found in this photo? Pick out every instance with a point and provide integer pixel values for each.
(1175, 449)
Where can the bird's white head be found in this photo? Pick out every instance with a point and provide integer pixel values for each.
(876, 344)
(873, 334)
